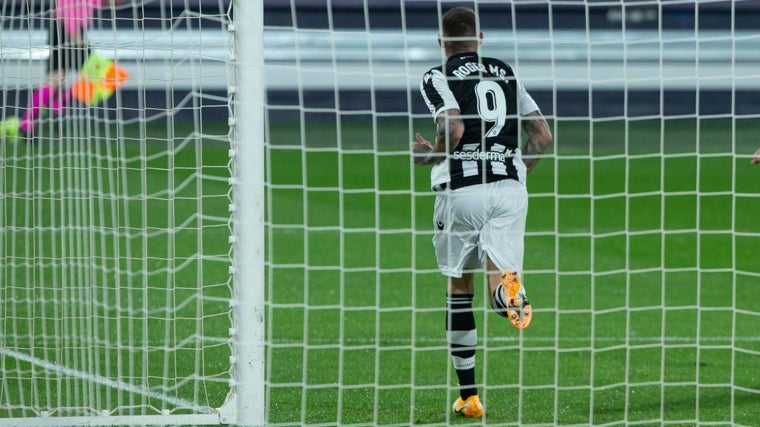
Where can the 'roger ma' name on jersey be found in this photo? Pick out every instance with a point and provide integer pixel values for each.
(490, 100)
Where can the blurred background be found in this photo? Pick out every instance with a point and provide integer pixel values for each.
(587, 59)
(174, 50)
(591, 59)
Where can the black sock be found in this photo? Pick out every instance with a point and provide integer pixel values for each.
(462, 337)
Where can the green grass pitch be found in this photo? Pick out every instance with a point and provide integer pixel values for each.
(100, 234)
(637, 254)
(641, 263)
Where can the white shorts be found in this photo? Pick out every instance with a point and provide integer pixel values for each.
(484, 219)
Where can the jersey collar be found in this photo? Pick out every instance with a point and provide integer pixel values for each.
(463, 55)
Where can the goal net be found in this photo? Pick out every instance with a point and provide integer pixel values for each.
(641, 249)
(114, 214)
(129, 228)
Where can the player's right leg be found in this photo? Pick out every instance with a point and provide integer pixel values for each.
(39, 100)
(55, 69)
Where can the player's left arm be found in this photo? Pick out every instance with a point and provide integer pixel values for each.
(449, 131)
(539, 138)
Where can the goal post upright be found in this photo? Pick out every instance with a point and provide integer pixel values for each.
(248, 217)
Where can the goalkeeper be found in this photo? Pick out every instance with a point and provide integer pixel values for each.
(68, 50)
(478, 176)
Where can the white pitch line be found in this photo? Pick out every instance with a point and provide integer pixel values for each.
(119, 385)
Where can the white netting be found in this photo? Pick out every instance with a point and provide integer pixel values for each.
(114, 284)
(640, 260)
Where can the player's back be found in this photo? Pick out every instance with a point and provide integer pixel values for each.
(486, 92)
(485, 89)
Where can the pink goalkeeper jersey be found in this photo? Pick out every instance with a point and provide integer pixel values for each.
(76, 15)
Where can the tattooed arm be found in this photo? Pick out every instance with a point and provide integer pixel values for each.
(539, 138)
(449, 127)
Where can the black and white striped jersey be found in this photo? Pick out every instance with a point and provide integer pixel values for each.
(490, 100)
